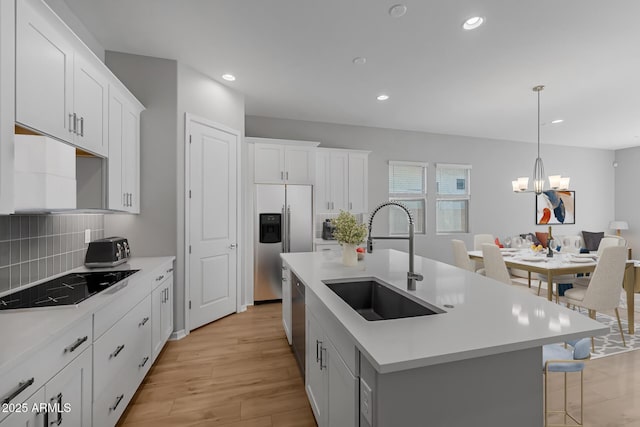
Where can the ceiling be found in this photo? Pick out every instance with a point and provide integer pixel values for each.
(293, 59)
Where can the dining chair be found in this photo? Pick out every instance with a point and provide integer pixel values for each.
(566, 358)
(460, 255)
(603, 292)
(478, 241)
(494, 265)
(605, 242)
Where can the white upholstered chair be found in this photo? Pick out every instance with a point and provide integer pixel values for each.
(605, 286)
(460, 255)
(607, 241)
(494, 265)
(478, 241)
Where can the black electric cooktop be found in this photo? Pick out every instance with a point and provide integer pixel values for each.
(66, 290)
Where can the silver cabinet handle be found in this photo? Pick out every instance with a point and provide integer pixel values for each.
(22, 386)
(70, 122)
(350, 206)
(115, 405)
(233, 246)
(57, 421)
(143, 322)
(130, 199)
(332, 207)
(117, 352)
(75, 123)
(124, 199)
(323, 360)
(76, 344)
(144, 362)
(81, 126)
(287, 175)
(160, 277)
(281, 176)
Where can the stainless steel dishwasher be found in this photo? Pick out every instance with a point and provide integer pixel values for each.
(298, 321)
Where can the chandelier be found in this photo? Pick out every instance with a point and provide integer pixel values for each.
(556, 182)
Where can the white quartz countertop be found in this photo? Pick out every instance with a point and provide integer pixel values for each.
(488, 317)
(23, 331)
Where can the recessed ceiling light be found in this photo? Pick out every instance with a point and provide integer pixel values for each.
(382, 97)
(359, 60)
(229, 77)
(555, 122)
(473, 23)
(397, 10)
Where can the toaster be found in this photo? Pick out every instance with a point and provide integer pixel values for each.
(107, 252)
(327, 230)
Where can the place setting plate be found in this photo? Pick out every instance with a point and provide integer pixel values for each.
(532, 259)
(583, 260)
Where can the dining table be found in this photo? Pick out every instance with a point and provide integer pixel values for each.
(561, 264)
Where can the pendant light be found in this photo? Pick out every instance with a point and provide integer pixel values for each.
(556, 182)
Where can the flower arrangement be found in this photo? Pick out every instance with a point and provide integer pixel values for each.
(347, 230)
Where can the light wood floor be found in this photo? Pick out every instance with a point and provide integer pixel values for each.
(239, 371)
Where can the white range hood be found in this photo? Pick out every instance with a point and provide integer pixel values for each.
(45, 174)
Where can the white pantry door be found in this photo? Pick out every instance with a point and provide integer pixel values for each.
(213, 264)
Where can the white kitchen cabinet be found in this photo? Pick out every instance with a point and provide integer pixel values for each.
(341, 180)
(44, 72)
(331, 387)
(315, 380)
(332, 169)
(70, 393)
(358, 182)
(161, 310)
(61, 87)
(90, 104)
(286, 302)
(280, 161)
(124, 151)
(7, 104)
(25, 416)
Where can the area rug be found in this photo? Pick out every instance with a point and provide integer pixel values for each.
(610, 344)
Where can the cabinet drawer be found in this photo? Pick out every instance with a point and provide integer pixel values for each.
(109, 315)
(162, 274)
(336, 333)
(121, 344)
(109, 405)
(36, 370)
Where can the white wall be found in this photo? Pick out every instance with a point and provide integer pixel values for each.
(627, 201)
(168, 90)
(62, 10)
(201, 96)
(152, 233)
(494, 207)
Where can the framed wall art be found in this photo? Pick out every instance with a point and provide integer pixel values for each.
(555, 207)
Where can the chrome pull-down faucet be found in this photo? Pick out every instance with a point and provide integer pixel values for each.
(412, 277)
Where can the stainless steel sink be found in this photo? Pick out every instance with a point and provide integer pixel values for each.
(376, 300)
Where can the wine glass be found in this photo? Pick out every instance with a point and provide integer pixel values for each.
(507, 242)
(566, 242)
(576, 244)
(517, 242)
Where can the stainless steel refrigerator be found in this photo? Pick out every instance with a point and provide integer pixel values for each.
(284, 223)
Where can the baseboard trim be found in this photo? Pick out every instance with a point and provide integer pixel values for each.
(178, 335)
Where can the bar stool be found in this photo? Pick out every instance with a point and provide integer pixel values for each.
(565, 359)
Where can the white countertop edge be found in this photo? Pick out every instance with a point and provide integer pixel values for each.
(82, 312)
(346, 315)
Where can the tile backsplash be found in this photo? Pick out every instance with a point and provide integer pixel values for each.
(33, 247)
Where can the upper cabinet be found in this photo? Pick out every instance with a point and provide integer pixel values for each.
(124, 152)
(7, 104)
(341, 180)
(279, 161)
(61, 87)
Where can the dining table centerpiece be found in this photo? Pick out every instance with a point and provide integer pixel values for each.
(349, 233)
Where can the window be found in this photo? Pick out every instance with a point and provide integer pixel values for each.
(452, 198)
(407, 184)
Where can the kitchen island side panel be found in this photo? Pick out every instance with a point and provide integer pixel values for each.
(502, 390)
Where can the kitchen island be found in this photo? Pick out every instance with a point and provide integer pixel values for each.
(478, 362)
